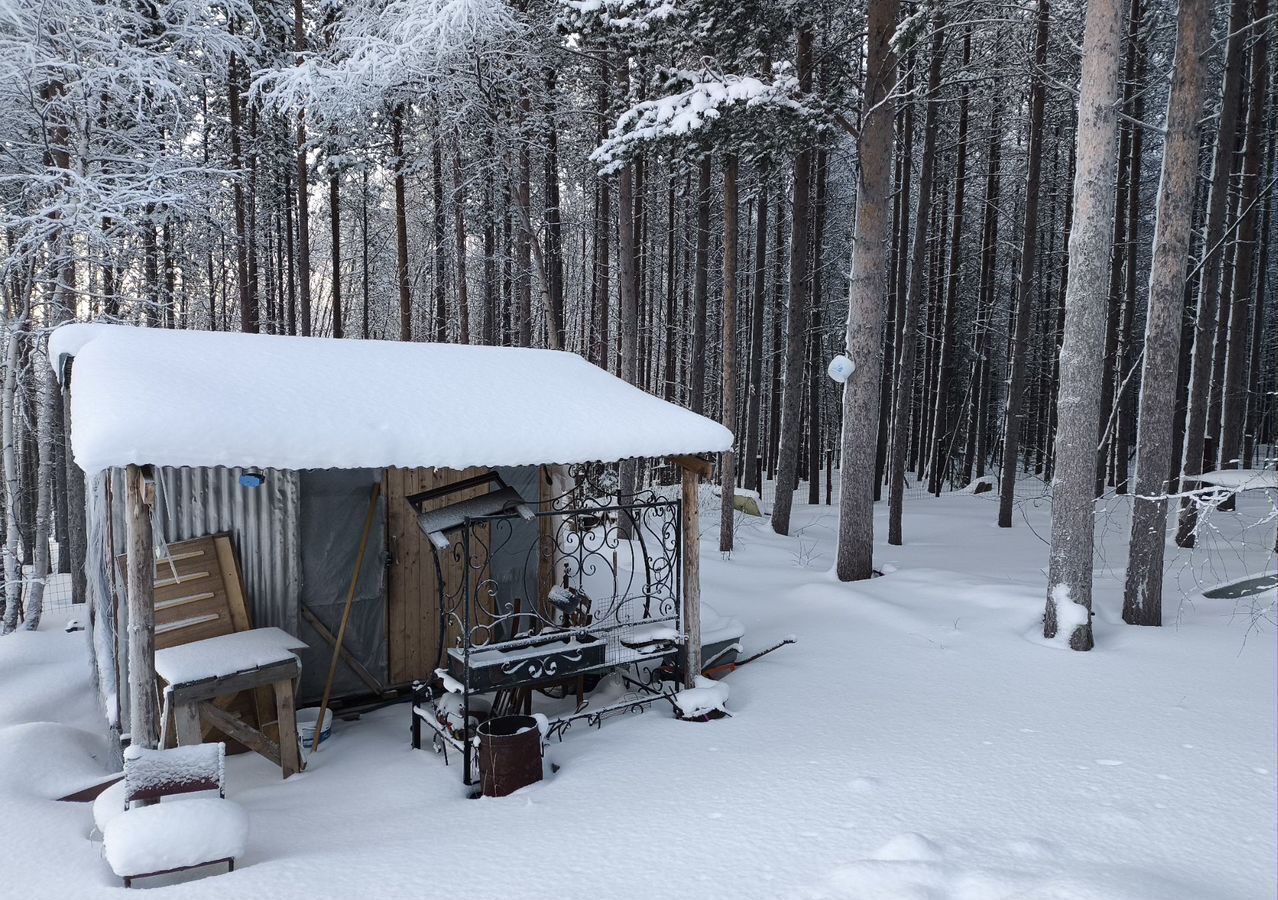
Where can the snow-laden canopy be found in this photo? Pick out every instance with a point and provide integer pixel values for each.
(205, 398)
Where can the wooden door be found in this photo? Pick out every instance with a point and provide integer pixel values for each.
(412, 615)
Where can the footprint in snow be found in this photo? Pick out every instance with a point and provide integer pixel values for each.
(910, 847)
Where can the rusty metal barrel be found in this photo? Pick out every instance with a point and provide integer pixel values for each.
(509, 754)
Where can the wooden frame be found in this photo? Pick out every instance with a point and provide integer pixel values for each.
(229, 860)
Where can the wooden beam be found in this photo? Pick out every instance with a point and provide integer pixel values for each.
(285, 709)
(187, 716)
(246, 735)
(227, 685)
(351, 662)
(695, 464)
(691, 574)
(144, 714)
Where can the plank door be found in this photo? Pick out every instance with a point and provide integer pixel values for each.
(412, 614)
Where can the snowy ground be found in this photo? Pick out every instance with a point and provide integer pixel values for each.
(920, 741)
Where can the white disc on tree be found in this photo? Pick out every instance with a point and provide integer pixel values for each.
(841, 368)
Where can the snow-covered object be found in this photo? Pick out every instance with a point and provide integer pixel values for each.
(225, 654)
(110, 803)
(1241, 479)
(203, 398)
(153, 770)
(174, 835)
(706, 697)
(707, 98)
(716, 628)
(841, 369)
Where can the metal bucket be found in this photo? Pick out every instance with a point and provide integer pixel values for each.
(509, 754)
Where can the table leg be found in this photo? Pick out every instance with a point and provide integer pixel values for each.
(290, 757)
(166, 712)
(186, 717)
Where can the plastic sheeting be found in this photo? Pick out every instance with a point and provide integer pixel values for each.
(333, 510)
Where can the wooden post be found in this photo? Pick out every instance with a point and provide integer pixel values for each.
(144, 718)
(691, 570)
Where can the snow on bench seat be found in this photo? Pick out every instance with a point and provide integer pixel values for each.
(177, 835)
(226, 654)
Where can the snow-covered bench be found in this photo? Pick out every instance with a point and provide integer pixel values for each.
(185, 833)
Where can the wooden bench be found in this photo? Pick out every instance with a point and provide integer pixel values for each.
(157, 838)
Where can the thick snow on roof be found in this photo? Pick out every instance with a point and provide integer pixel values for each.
(203, 398)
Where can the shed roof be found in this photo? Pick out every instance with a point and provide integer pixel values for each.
(205, 398)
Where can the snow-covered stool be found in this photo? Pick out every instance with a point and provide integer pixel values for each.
(176, 832)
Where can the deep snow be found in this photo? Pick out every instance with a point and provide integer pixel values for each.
(920, 740)
(315, 403)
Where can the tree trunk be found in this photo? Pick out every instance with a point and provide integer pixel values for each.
(796, 316)
(237, 193)
(303, 205)
(1025, 279)
(459, 243)
(727, 469)
(1142, 595)
(523, 237)
(335, 247)
(816, 344)
(12, 486)
(1069, 580)
(1209, 284)
(941, 413)
(758, 286)
(867, 287)
(700, 265)
(144, 718)
(907, 337)
(974, 453)
(1234, 390)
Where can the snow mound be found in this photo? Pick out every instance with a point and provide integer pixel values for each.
(175, 835)
(48, 760)
(708, 696)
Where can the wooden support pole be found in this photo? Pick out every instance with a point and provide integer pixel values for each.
(691, 573)
(144, 714)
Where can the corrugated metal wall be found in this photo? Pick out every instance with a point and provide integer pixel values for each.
(263, 521)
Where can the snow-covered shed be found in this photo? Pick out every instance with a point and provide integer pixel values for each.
(282, 442)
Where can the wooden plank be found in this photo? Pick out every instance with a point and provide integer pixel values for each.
(187, 721)
(246, 735)
(694, 464)
(412, 591)
(180, 579)
(238, 606)
(235, 682)
(345, 655)
(691, 575)
(290, 755)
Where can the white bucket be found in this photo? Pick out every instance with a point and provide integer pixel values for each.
(306, 719)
